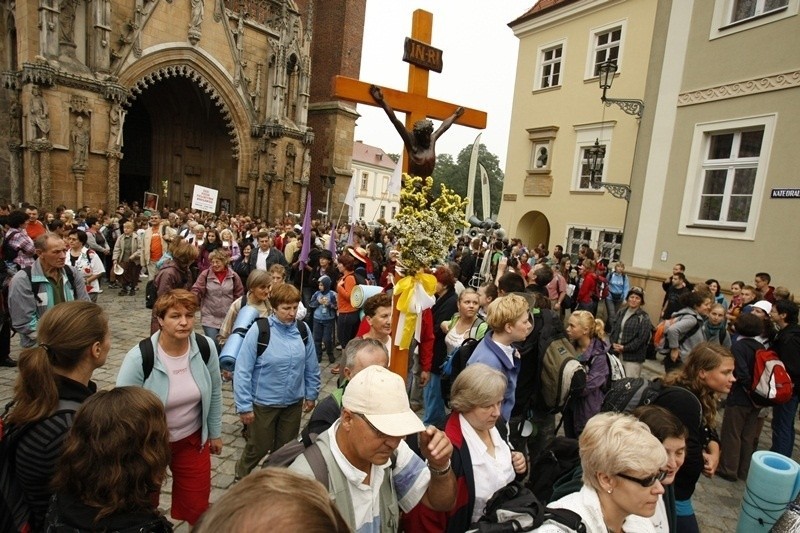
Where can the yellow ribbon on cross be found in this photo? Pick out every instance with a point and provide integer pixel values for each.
(415, 294)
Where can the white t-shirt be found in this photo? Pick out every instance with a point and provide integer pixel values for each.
(660, 520)
(490, 473)
(410, 478)
(183, 406)
(89, 263)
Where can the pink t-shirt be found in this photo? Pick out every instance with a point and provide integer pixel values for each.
(183, 407)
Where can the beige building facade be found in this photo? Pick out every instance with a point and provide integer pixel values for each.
(372, 174)
(714, 178)
(558, 115)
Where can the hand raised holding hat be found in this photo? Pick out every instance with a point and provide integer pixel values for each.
(435, 447)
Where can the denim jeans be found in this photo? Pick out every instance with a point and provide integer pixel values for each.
(323, 331)
(212, 333)
(434, 404)
(783, 427)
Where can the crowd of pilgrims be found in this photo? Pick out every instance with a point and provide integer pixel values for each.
(96, 460)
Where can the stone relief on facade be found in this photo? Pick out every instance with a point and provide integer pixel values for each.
(743, 88)
(198, 10)
(39, 116)
(79, 140)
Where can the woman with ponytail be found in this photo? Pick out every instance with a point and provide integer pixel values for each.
(586, 333)
(54, 379)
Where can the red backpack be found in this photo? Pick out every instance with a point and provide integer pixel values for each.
(771, 382)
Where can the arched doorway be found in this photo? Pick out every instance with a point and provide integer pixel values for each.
(175, 138)
(534, 228)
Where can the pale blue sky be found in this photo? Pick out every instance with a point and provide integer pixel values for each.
(480, 58)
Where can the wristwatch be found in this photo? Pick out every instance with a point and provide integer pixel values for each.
(443, 472)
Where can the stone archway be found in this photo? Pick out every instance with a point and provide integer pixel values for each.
(198, 126)
(176, 138)
(533, 228)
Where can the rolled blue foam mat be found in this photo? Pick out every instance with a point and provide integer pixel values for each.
(773, 482)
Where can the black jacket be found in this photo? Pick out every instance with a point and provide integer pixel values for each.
(443, 310)
(787, 346)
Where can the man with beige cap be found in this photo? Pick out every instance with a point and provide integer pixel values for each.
(372, 472)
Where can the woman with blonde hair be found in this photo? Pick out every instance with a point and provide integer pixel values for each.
(230, 244)
(54, 379)
(482, 459)
(191, 390)
(586, 333)
(115, 458)
(258, 285)
(272, 499)
(623, 466)
(692, 395)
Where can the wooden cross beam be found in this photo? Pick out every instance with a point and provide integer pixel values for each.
(417, 106)
(414, 102)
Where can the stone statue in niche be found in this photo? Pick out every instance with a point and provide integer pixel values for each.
(116, 118)
(288, 171)
(272, 159)
(67, 21)
(80, 143)
(14, 129)
(305, 175)
(198, 10)
(39, 115)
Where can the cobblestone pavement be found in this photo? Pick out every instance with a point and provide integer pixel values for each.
(716, 501)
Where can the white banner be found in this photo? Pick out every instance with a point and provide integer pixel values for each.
(204, 199)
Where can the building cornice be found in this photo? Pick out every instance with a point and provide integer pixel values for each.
(786, 80)
(559, 13)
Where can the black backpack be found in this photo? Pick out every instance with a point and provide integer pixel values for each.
(526, 512)
(264, 333)
(560, 456)
(627, 394)
(35, 284)
(14, 511)
(148, 355)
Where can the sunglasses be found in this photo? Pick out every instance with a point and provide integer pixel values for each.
(648, 481)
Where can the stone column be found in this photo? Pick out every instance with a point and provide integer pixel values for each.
(79, 173)
(265, 212)
(15, 153)
(39, 189)
(114, 158)
(252, 183)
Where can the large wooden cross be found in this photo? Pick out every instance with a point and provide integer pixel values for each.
(414, 102)
(417, 106)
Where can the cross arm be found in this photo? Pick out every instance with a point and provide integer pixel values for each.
(358, 92)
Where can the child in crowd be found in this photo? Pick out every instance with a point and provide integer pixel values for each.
(486, 294)
(323, 302)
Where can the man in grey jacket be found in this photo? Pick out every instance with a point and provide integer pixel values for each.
(50, 282)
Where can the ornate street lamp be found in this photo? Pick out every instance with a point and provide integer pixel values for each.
(605, 77)
(594, 157)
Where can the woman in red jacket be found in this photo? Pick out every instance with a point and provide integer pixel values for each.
(587, 299)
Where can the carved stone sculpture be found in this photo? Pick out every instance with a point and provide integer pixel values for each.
(80, 143)
(198, 10)
(39, 115)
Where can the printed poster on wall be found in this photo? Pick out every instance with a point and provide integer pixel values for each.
(204, 199)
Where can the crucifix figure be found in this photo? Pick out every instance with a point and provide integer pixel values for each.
(418, 135)
(421, 142)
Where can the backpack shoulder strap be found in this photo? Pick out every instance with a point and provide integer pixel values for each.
(148, 357)
(244, 300)
(205, 349)
(263, 335)
(316, 461)
(71, 277)
(303, 329)
(34, 284)
(568, 518)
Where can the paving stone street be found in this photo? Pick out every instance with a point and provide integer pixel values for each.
(717, 502)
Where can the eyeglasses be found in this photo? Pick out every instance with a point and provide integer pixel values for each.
(381, 435)
(648, 481)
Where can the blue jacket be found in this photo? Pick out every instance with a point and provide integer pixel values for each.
(323, 312)
(489, 353)
(285, 374)
(618, 285)
(206, 376)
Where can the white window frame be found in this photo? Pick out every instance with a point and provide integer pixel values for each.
(541, 63)
(721, 25)
(689, 223)
(364, 185)
(394, 212)
(585, 137)
(592, 46)
(382, 212)
(362, 208)
(596, 234)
